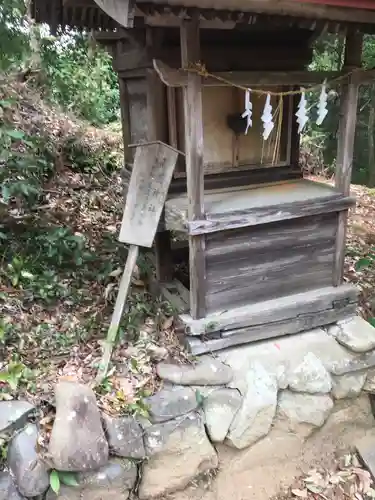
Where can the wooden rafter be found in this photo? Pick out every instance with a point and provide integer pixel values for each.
(353, 4)
(178, 77)
(282, 8)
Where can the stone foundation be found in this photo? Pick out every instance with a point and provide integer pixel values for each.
(268, 398)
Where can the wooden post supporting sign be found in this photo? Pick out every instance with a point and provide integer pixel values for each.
(152, 172)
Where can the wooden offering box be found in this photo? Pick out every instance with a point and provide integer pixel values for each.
(264, 242)
(270, 258)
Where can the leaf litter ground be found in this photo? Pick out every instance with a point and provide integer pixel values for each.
(347, 479)
(59, 272)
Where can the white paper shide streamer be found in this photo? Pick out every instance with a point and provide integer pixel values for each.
(248, 113)
(322, 105)
(267, 118)
(302, 117)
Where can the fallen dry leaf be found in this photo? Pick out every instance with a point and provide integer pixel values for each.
(167, 323)
(300, 493)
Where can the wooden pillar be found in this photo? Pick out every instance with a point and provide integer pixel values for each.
(190, 53)
(345, 145)
(157, 130)
(125, 121)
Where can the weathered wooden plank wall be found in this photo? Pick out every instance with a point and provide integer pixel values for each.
(137, 95)
(248, 265)
(220, 102)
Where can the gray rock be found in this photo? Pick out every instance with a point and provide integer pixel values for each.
(125, 437)
(8, 490)
(333, 330)
(281, 374)
(205, 390)
(355, 333)
(285, 352)
(157, 353)
(77, 440)
(254, 419)
(348, 386)
(220, 408)
(304, 408)
(353, 364)
(31, 476)
(179, 451)
(310, 376)
(114, 481)
(66, 493)
(170, 403)
(370, 382)
(13, 415)
(208, 371)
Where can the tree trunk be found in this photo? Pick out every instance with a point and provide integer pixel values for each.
(370, 138)
(35, 61)
(340, 52)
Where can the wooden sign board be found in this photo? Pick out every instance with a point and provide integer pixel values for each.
(153, 167)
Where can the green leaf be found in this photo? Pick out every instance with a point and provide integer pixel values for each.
(199, 398)
(13, 382)
(362, 263)
(5, 193)
(371, 321)
(16, 369)
(4, 376)
(134, 364)
(27, 275)
(68, 478)
(54, 481)
(15, 134)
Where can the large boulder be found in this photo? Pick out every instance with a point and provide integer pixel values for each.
(114, 481)
(8, 490)
(13, 415)
(178, 451)
(207, 371)
(254, 419)
(30, 474)
(125, 437)
(77, 440)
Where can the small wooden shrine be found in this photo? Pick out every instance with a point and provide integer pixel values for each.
(265, 248)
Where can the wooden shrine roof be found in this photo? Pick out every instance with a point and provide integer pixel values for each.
(86, 14)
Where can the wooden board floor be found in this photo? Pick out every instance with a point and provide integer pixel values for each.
(248, 197)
